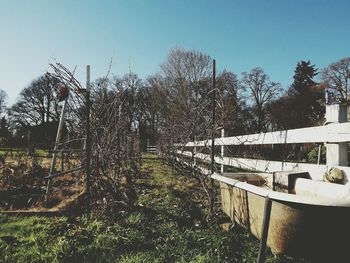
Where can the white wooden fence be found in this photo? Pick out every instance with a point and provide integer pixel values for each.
(151, 149)
(335, 133)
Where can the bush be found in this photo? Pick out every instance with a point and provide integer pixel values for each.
(312, 156)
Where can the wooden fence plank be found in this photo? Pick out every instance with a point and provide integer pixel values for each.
(331, 133)
(316, 171)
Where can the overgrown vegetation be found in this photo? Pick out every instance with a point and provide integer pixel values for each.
(187, 100)
(169, 223)
(23, 183)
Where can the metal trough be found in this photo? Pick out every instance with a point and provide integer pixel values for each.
(310, 219)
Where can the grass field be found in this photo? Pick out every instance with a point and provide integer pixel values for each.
(169, 223)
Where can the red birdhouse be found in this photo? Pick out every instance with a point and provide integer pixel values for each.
(63, 93)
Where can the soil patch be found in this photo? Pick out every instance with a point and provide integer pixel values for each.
(23, 188)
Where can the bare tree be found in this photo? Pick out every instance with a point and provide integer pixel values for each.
(230, 103)
(113, 126)
(37, 103)
(186, 66)
(186, 85)
(151, 106)
(337, 76)
(184, 90)
(260, 91)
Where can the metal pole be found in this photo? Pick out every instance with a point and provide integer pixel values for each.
(213, 119)
(88, 140)
(264, 230)
(118, 155)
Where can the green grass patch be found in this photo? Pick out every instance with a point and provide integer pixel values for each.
(168, 224)
(17, 152)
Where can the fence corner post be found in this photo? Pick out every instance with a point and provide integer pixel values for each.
(337, 153)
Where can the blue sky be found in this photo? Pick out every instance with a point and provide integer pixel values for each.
(240, 35)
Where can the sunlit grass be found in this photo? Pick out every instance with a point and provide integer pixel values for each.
(168, 224)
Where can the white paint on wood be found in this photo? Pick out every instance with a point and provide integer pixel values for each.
(309, 187)
(336, 113)
(194, 154)
(334, 133)
(337, 153)
(279, 196)
(316, 171)
(222, 152)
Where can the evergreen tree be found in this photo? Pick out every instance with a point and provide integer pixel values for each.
(309, 98)
(303, 77)
(302, 105)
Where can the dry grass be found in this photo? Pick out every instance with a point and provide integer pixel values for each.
(22, 185)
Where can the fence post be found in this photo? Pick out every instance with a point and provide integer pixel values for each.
(213, 119)
(88, 141)
(337, 153)
(62, 160)
(264, 230)
(222, 150)
(195, 153)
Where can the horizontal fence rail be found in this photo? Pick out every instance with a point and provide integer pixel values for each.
(335, 134)
(316, 171)
(151, 149)
(331, 133)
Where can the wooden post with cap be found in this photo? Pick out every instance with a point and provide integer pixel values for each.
(337, 153)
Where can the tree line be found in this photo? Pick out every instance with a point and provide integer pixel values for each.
(175, 104)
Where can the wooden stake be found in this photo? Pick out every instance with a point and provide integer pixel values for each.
(57, 142)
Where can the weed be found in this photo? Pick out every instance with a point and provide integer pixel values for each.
(168, 224)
